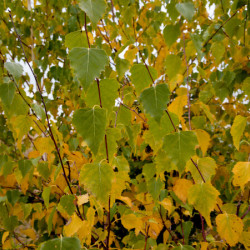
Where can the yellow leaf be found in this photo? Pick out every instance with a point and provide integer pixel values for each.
(204, 245)
(177, 105)
(241, 172)
(130, 54)
(237, 129)
(71, 228)
(167, 204)
(44, 145)
(203, 197)
(206, 110)
(181, 188)
(82, 199)
(165, 236)
(4, 237)
(30, 233)
(229, 227)
(203, 139)
(245, 239)
(130, 221)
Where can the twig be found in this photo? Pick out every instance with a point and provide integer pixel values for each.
(211, 37)
(124, 105)
(245, 214)
(146, 236)
(171, 120)
(202, 228)
(85, 27)
(46, 114)
(112, 10)
(245, 23)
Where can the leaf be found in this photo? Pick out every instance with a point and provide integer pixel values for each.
(141, 78)
(183, 247)
(10, 223)
(24, 166)
(97, 178)
(7, 92)
(15, 69)
(63, 243)
(203, 197)
(241, 172)
(154, 188)
(186, 10)
(50, 220)
(173, 65)
(93, 8)
(73, 226)
(122, 65)
(39, 111)
(87, 64)
(67, 203)
(13, 196)
(46, 195)
(130, 221)
(207, 167)
(203, 139)
(218, 50)
(237, 129)
(155, 100)
(229, 227)
(177, 105)
(179, 147)
(109, 93)
(90, 124)
(76, 39)
(181, 188)
(171, 33)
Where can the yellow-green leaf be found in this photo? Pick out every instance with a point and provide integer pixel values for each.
(203, 197)
(237, 129)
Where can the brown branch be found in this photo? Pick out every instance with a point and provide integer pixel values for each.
(46, 114)
(146, 236)
(112, 10)
(124, 105)
(221, 26)
(245, 214)
(85, 27)
(202, 228)
(175, 129)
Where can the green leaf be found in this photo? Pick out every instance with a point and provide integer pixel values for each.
(7, 92)
(46, 195)
(50, 220)
(155, 100)
(218, 50)
(76, 39)
(173, 65)
(93, 8)
(171, 33)
(67, 203)
(10, 223)
(24, 166)
(97, 179)
(108, 90)
(203, 197)
(154, 187)
(27, 208)
(122, 65)
(180, 146)
(43, 170)
(187, 10)
(237, 129)
(206, 165)
(39, 111)
(87, 63)
(13, 196)
(15, 69)
(63, 243)
(90, 124)
(141, 78)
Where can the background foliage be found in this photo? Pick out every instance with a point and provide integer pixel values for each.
(131, 131)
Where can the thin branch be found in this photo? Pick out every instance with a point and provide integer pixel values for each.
(202, 228)
(211, 37)
(85, 27)
(222, 6)
(245, 214)
(245, 24)
(46, 113)
(112, 10)
(124, 105)
(146, 237)
(175, 129)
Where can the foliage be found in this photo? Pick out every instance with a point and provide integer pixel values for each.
(124, 124)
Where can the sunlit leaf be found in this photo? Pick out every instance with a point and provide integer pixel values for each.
(63, 243)
(241, 172)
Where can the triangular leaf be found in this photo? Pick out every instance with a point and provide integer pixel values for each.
(180, 146)
(87, 63)
(76, 39)
(241, 172)
(155, 100)
(90, 124)
(186, 9)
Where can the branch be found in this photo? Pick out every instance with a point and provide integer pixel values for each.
(124, 105)
(46, 113)
(245, 214)
(211, 37)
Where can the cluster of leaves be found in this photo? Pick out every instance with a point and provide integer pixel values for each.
(130, 130)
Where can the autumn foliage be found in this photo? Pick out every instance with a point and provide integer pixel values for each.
(124, 124)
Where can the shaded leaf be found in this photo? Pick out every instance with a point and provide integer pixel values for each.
(187, 10)
(63, 243)
(173, 65)
(15, 69)
(171, 33)
(7, 92)
(67, 203)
